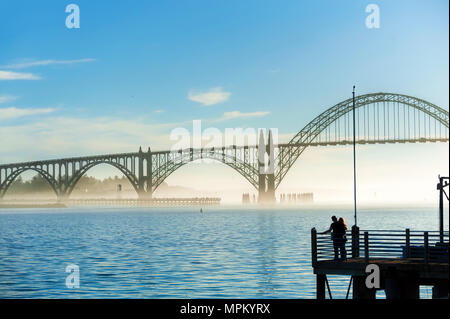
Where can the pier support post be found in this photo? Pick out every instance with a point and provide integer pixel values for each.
(440, 187)
(366, 247)
(408, 244)
(360, 290)
(440, 290)
(397, 287)
(320, 286)
(314, 247)
(355, 241)
(426, 248)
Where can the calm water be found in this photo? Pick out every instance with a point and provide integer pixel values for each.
(174, 253)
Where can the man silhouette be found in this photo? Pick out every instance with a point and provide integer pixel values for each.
(334, 230)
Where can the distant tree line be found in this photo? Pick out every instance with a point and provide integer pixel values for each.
(86, 184)
(37, 184)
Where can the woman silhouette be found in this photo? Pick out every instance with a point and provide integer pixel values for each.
(340, 237)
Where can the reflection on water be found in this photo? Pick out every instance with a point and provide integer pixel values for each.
(174, 253)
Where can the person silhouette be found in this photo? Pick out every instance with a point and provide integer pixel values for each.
(334, 227)
(340, 238)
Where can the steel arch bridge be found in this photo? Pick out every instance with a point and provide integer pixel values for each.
(404, 119)
(380, 118)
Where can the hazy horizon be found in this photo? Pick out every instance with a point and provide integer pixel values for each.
(409, 179)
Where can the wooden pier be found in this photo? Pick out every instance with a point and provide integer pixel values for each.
(130, 202)
(195, 201)
(406, 260)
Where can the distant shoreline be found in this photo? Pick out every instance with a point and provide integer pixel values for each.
(51, 205)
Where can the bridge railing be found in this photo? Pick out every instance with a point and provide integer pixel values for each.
(425, 246)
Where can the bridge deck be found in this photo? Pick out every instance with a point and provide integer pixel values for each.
(229, 147)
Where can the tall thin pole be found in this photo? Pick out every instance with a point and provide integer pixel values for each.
(354, 158)
(441, 208)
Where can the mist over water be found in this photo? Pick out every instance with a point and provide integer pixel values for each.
(224, 252)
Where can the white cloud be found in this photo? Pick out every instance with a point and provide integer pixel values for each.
(8, 75)
(12, 112)
(54, 137)
(6, 98)
(62, 136)
(28, 64)
(238, 114)
(213, 96)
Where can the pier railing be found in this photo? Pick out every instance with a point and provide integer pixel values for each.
(425, 246)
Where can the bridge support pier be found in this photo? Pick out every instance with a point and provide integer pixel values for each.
(145, 195)
(266, 186)
(266, 189)
(145, 186)
(61, 197)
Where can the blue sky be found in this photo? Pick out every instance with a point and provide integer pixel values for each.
(135, 70)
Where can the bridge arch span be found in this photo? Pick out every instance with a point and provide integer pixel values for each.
(246, 170)
(4, 186)
(402, 122)
(84, 169)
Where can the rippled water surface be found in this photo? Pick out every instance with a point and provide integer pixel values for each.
(174, 253)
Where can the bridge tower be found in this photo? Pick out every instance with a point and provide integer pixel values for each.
(63, 181)
(145, 189)
(266, 170)
(149, 183)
